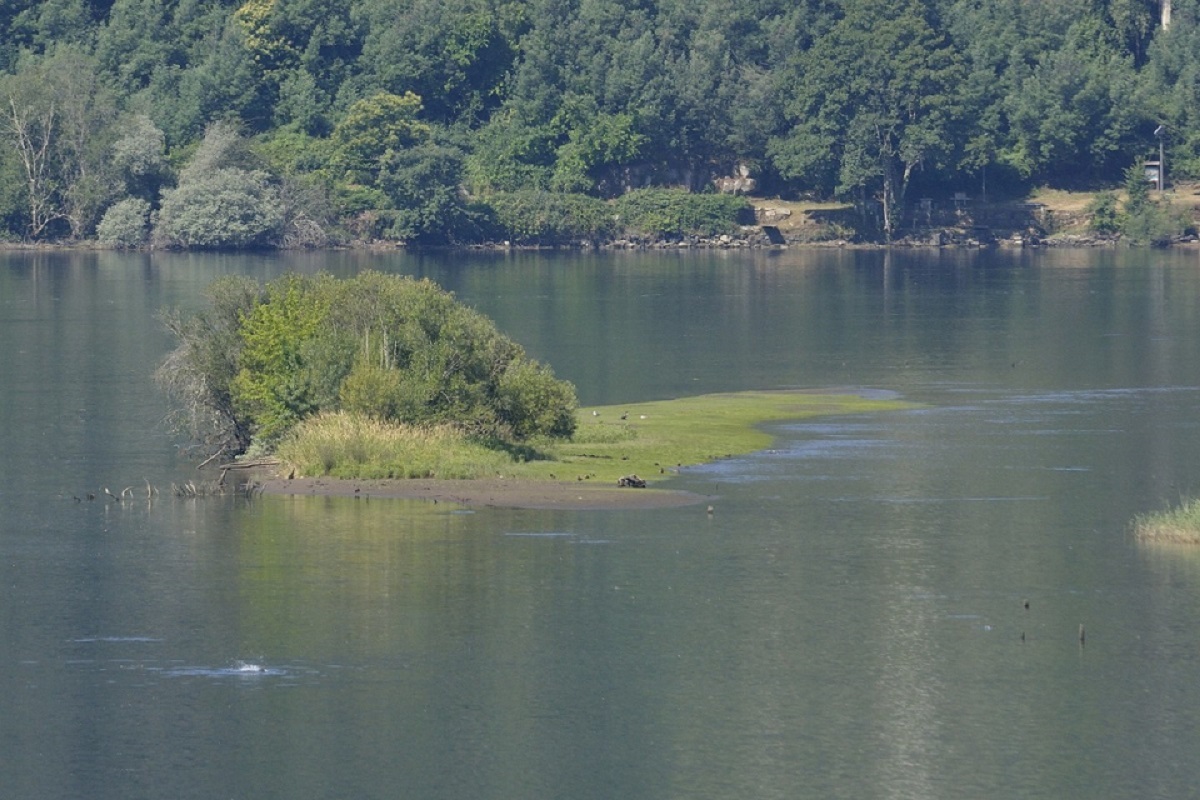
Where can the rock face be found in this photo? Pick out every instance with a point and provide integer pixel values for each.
(769, 216)
(738, 183)
(732, 185)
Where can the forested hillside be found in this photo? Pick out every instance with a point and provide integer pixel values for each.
(211, 123)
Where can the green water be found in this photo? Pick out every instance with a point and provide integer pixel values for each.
(849, 622)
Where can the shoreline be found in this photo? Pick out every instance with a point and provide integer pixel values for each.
(488, 493)
(937, 239)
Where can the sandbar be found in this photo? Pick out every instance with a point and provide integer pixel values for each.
(490, 492)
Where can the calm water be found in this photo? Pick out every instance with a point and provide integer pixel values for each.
(850, 623)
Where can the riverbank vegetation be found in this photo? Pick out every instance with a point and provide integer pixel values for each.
(262, 359)
(1178, 525)
(382, 376)
(294, 123)
(648, 440)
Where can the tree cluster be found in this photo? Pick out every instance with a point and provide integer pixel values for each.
(260, 359)
(245, 123)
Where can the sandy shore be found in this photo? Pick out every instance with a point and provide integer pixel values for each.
(495, 493)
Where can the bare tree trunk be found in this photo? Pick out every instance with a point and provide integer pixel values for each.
(1165, 13)
(889, 201)
(33, 133)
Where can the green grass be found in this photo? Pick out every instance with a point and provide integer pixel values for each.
(656, 438)
(651, 440)
(1179, 525)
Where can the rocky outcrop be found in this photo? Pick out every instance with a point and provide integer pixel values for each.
(738, 183)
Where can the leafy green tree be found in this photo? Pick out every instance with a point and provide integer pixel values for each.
(219, 204)
(393, 348)
(270, 47)
(226, 208)
(1074, 114)
(43, 25)
(370, 129)
(126, 224)
(511, 155)
(597, 146)
(1053, 90)
(422, 183)
(139, 157)
(452, 53)
(12, 198)
(87, 125)
(271, 386)
(530, 401)
(11, 41)
(303, 103)
(1137, 190)
(303, 52)
(1104, 217)
(453, 365)
(59, 121)
(139, 38)
(309, 218)
(872, 100)
(1171, 87)
(1145, 220)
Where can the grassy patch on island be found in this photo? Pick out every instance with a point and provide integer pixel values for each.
(1179, 525)
(344, 445)
(650, 440)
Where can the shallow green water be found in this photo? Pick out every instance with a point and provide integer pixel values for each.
(850, 622)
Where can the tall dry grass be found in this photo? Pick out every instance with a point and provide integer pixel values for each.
(1179, 525)
(352, 446)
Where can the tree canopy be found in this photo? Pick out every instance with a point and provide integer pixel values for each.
(353, 105)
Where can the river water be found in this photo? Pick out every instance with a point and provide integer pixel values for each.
(885, 605)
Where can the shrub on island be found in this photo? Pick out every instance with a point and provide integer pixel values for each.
(392, 349)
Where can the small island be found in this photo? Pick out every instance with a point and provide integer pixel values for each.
(381, 385)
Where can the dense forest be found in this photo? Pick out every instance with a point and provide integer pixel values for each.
(211, 123)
